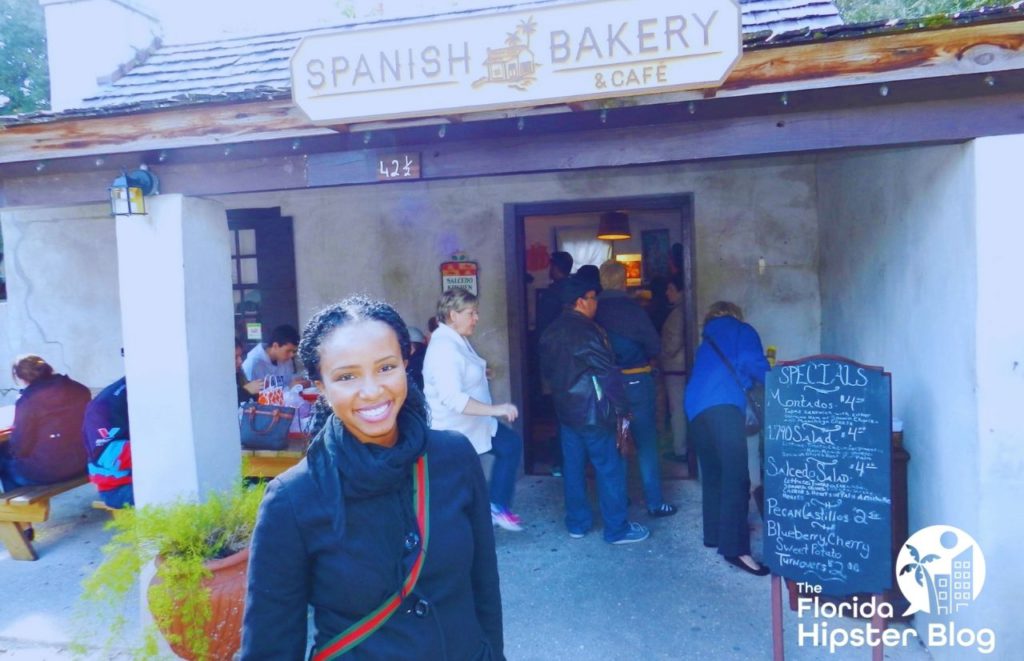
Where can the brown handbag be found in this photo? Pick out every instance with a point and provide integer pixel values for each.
(264, 426)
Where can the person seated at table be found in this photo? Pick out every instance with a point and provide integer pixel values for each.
(274, 359)
(108, 444)
(246, 389)
(46, 444)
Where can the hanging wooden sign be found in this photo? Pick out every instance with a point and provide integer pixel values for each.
(459, 274)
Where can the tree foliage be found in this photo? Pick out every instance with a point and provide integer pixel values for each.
(863, 11)
(24, 77)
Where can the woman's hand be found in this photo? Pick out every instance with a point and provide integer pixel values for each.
(508, 411)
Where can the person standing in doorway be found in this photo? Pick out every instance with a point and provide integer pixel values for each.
(715, 404)
(673, 367)
(635, 343)
(578, 362)
(549, 305)
(455, 383)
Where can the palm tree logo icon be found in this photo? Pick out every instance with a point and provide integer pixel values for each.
(921, 574)
(941, 570)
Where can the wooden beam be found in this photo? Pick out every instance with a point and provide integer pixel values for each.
(949, 52)
(777, 133)
(202, 178)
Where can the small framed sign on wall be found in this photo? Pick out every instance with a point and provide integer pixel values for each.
(460, 273)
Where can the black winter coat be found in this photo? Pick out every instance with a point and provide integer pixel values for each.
(299, 557)
(574, 353)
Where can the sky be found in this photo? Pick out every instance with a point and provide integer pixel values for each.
(198, 20)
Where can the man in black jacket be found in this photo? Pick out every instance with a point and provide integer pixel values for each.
(578, 362)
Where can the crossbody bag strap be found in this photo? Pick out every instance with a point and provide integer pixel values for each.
(732, 370)
(362, 629)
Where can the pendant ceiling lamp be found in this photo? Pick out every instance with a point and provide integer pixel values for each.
(614, 226)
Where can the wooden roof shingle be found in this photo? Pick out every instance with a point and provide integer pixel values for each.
(255, 67)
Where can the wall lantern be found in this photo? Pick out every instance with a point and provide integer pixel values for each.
(128, 192)
(614, 226)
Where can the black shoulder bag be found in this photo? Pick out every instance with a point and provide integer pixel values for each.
(755, 395)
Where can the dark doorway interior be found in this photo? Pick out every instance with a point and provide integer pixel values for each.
(533, 232)
(263, 272)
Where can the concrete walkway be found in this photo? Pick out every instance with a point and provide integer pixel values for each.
(665, 598)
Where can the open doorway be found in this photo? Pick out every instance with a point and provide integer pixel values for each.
(262, 273)
(534, 231)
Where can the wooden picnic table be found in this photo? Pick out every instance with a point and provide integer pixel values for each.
(271, 463)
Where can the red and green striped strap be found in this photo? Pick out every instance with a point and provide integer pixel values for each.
(359, 631)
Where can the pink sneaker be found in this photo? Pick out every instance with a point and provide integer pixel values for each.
(505, 519)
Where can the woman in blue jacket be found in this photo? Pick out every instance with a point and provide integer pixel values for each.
(366, 521)
(715, 404)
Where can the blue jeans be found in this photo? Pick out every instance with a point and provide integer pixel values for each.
(641, 393)
(598, 445)
(721, 441)
(10, 477)
(507, 448)
(118, 497)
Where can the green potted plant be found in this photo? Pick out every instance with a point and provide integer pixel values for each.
(201, 553)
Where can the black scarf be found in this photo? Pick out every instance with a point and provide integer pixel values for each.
(343, 467)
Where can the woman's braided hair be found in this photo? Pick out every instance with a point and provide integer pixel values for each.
(351, 310)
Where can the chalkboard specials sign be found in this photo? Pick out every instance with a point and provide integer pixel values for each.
(827, 465)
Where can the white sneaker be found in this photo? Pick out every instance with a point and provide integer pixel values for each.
(502, 518)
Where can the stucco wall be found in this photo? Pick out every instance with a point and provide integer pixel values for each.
(899, 289)
(62, 291)
(7, 392)
(999, 353)
(388, 240)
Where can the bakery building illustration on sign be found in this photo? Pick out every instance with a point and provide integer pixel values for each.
(507, 59)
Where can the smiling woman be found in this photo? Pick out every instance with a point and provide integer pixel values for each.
(352, 522)
(363, 380)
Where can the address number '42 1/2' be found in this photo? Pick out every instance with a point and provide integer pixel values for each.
(398, 166)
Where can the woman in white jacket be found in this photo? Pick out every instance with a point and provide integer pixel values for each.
(455, 383)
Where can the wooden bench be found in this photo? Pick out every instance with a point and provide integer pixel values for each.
(265, 464)
(26, 505)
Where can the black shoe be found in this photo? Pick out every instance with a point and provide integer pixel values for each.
(711, 546)
(663, 510)
(735, 561)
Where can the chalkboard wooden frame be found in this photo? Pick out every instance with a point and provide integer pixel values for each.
(828, 482)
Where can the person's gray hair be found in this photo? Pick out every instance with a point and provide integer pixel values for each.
(455, 299)
(723, 309)
(613, 275)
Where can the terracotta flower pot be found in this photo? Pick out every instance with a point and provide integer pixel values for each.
(227, 589)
